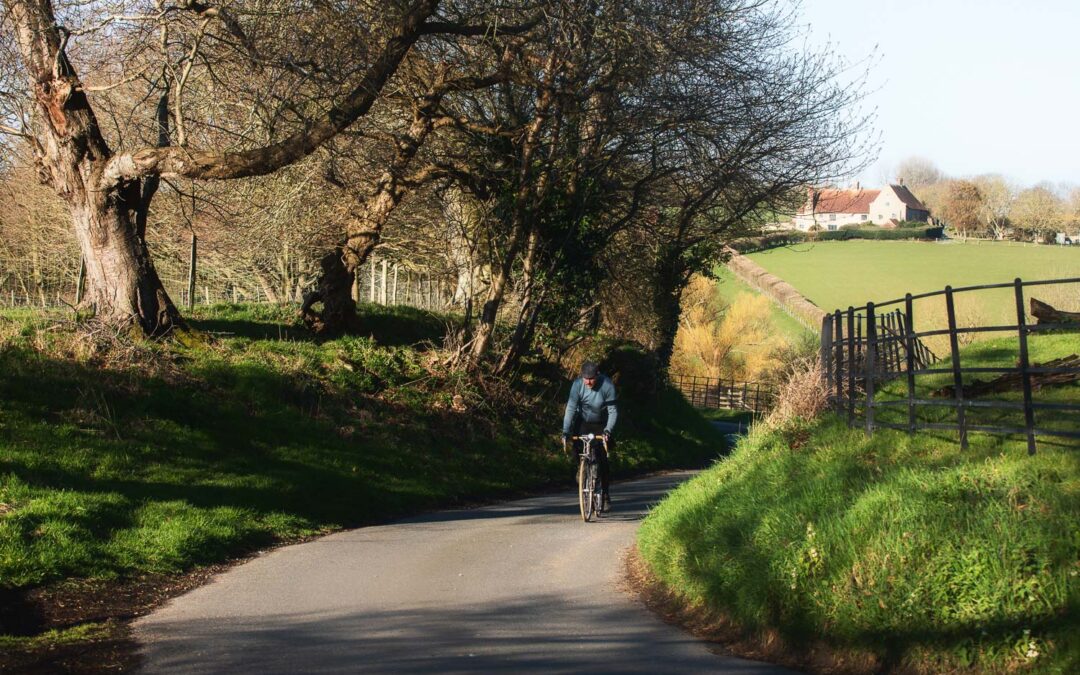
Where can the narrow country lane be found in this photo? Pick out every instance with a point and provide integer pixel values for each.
(519, 586)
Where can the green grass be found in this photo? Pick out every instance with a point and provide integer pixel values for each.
(731, 416)
(158, 458)
(900, 546)
(840, 274)
(730, 287)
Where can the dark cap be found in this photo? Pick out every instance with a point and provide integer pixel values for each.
(589, 369)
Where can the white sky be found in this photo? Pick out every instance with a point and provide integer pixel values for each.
(977, 87)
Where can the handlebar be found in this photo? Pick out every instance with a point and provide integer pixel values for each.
(589, 438)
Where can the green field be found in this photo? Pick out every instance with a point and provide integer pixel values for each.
(838, 274)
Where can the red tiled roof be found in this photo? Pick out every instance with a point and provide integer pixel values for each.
(843, 201)
(909, 199)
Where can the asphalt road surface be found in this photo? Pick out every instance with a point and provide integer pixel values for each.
(520, 586)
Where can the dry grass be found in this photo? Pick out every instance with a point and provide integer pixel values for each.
(802, 394)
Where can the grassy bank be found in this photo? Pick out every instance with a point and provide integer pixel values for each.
(894, 551)
(119, 460)
(730, 287)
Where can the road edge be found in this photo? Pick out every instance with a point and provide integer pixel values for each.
(729, 638)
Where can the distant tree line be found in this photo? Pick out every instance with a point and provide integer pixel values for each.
(572, 163)
(991, 206)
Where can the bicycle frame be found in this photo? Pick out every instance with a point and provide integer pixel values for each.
(589, 498)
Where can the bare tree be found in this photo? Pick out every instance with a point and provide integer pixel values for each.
(961, 209)
(917, 172)
(1038, 212)
(998, 196)
(103, 186)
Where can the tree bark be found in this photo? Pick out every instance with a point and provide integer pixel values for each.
(667, 306)
(519, 341)
(519, 222)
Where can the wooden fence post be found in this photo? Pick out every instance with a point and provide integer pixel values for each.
(1025, 376)
(838, 362)
(871, 365)
(394, 300)
(958, 378)
(909, 345)
(852, 361)
(894, 342)
(80, 284)
(858, 333)
(193, 261)
(371, 291)
(826, 352)
(382, 278)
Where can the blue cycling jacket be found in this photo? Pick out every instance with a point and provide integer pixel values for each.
(594, 405)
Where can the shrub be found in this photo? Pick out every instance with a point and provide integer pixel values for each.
(765, 242)
(802, 394)
(845, 233)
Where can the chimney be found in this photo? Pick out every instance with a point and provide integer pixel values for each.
(901, 180)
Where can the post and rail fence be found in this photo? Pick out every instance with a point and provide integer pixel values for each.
(724, 393)
(865, 349)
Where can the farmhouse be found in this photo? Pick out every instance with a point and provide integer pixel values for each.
(829, 209)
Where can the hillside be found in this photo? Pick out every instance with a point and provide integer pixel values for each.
(124, 466)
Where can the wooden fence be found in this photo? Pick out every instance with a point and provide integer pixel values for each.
(714, 392)
(864, 349)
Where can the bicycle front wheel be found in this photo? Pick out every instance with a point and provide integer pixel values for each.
(584, 496)
(591, 472)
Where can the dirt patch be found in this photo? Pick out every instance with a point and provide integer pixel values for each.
(111, 606)
(731, 639)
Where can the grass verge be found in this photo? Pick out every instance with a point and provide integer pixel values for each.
(121, 462)
(893, 552)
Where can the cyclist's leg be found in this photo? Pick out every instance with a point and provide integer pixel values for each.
(605, 471)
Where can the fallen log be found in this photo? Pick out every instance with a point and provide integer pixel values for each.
(1069, 367)
(1048, 314)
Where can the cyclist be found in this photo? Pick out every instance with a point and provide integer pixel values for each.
(591, 409)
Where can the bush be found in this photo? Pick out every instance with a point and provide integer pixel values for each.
(765, 242)
(845, 233)
(881, 234)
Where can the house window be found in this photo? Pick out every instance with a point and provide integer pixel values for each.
(879, 217)
(831, 226)
(866, 216)
(832, 216)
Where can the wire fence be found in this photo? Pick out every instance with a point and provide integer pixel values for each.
(191, 282)
(880, 373)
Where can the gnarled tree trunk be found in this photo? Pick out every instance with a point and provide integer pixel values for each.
(121, 281)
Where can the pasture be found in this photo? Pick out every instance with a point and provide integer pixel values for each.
(838, 274)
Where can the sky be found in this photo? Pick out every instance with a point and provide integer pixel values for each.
(976, 87)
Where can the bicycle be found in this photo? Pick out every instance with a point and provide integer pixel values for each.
(590, 499)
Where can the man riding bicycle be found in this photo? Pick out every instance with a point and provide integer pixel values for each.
(591, 409)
